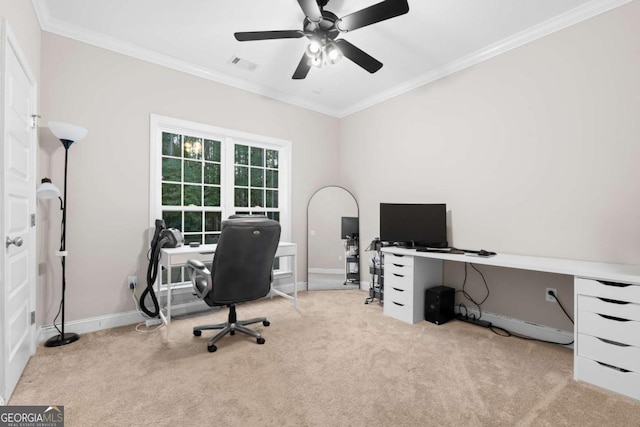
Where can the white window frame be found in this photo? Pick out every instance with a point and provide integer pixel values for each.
(227, 137)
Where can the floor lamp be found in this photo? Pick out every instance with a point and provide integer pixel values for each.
(67, 134)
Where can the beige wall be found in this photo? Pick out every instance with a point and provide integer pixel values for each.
(108, 189)
(535, 152)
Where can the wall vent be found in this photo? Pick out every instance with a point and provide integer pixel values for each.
(243, 63)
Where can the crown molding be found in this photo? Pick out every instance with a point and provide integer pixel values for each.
(567, 19)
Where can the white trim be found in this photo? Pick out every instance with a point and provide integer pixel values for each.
(92, 324)
(557, 23)
(572, 17)
(326, 270)
(525, 328)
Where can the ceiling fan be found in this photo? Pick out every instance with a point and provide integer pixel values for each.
(322, 28)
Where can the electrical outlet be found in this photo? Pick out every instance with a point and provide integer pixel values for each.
(549, 297)
(132, 281)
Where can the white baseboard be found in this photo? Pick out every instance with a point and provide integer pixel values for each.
(93, 324)
(525, 328)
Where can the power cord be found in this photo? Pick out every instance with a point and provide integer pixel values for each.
(464, 292)
(505, 333)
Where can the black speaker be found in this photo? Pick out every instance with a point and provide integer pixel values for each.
(438, 304)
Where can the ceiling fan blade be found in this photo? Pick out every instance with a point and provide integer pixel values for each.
(303, 68)
(311, 10)
(358, 56)
(372, 14)
(268, 35)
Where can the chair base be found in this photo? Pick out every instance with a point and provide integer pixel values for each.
(230, 327)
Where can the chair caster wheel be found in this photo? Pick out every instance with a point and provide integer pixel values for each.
(197, 333)
(266, 323)
(260, 340)
(211, 348)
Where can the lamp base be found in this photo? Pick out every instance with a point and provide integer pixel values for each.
(59, 340)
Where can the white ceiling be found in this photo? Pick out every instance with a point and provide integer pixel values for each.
(436, 38)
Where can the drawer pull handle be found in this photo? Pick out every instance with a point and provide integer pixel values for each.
(613, 301)
(398, 255)
(398, 265)
(613, 367)
(397, 303)
(398, 275)
(399, 290)
(619, 344)
(617, 319)
(618, 285)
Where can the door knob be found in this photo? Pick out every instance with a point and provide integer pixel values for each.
(17, 241)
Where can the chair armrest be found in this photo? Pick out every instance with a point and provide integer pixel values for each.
(197, 264)
(200, 277)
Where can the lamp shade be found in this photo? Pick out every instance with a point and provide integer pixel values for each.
(46, 190)
(67, 131)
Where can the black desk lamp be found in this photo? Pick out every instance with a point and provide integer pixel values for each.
(68, 134)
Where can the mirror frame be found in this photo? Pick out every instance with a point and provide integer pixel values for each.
(307, 228)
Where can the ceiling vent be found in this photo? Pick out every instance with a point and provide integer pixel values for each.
(243, 63)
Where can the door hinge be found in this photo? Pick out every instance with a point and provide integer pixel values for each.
(33, 317)
(34, 120)
(33, 220)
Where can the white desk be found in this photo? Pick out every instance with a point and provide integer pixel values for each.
(606, 307)
(178, 257)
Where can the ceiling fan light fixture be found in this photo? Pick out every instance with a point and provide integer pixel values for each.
(333, 53)
(317, 61)
(314, 48)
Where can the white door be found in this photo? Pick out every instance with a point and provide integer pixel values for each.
(17, 188)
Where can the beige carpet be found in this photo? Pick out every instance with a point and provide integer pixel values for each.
(335, 362)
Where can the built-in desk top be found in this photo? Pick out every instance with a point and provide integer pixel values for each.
(622, 273)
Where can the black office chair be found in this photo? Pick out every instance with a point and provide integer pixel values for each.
(242, 270)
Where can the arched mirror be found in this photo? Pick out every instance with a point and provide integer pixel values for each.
(332, 234)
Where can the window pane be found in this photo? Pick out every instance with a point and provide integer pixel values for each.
(212, 221)
(171, 194)
(192, 222)
(242, 176)
(212, 196)
(274, 216)
(192, 171)
(272, 159)
(211, 238)
(171, 144)
(257, 197)
(212, 150)
(241, 155)
(241, 198)
(172, 219)
(193, 195)
(257, 156)
(188, 238)
(257, 177)
(272, 199)
(212, 173)
(192, 147)
(272, 179)
(171, 169)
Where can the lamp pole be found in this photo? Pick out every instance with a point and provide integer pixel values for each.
(63, 338)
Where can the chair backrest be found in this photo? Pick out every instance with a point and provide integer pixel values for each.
(243, 262)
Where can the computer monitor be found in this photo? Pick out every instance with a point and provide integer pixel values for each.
(414, 224)
(349, 227)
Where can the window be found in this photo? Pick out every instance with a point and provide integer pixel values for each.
(200, 175)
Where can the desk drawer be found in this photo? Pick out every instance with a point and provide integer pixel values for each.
(623, 309)
(615, 329)
(627, 383)
(399, 295)
(394, 280)
(621, 356)
(397, 260)
(616, 291)
(398, 310)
